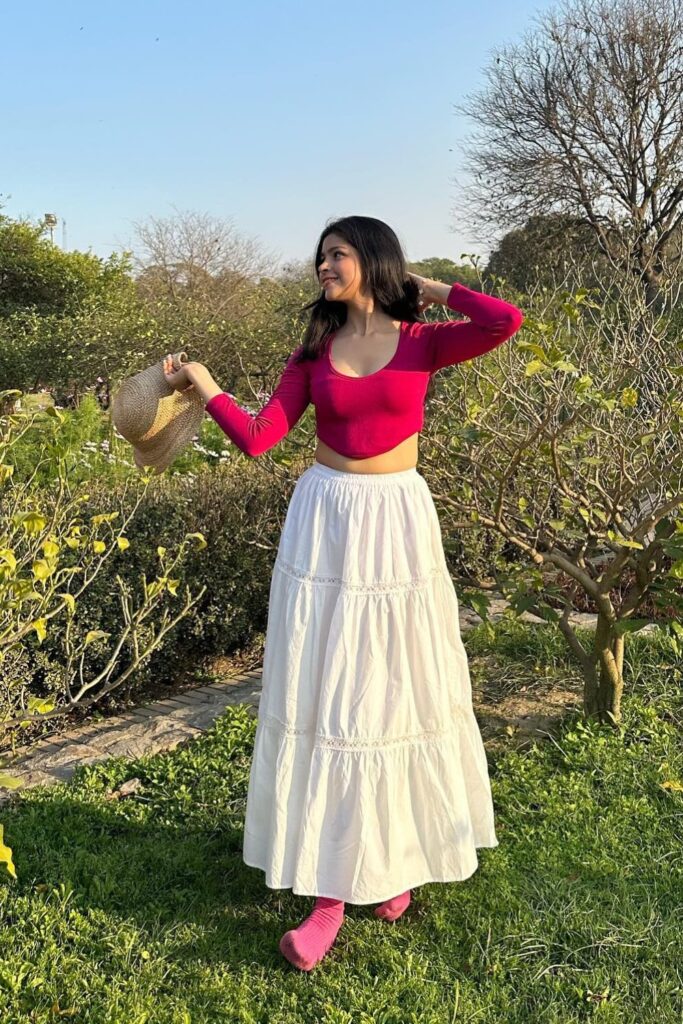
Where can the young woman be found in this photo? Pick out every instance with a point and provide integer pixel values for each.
(369, 775)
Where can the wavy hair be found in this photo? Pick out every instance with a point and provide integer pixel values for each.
(383, 274)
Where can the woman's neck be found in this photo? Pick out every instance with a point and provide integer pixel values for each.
(365, 321)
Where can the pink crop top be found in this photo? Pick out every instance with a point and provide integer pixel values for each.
(363, 416)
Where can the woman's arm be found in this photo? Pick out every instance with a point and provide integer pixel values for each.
(252, 433)
(491, 322)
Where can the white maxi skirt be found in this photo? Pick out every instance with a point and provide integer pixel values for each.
(369, 775)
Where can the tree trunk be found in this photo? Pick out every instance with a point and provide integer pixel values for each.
(604, 679)
(653, 297)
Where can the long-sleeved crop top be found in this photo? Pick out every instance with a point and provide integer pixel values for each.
(363, 416)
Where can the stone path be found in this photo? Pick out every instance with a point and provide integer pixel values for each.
(162, 725)
(147, 729)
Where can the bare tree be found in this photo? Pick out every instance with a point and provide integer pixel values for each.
(199, 258)
(585, 118)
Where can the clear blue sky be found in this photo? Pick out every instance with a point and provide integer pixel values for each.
(277, 115)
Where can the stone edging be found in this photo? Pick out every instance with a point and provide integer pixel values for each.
(147, 729)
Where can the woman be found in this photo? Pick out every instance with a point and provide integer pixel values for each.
(369, 774)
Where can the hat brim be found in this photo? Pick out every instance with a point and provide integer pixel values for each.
(160, 450)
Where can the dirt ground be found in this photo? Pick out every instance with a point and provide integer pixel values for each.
(516, 711)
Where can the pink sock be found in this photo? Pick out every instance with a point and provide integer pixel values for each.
(393, 908)
(306, 945)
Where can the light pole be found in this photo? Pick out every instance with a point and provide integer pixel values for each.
(51, 222)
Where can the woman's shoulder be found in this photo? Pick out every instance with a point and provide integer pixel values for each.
(295, 355)
(417, 335)
(414, 327)
(418, 330)
(298, 363)
(299, 357)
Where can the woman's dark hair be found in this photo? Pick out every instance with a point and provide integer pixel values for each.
(383, 274)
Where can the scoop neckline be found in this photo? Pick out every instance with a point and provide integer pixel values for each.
(347, 376)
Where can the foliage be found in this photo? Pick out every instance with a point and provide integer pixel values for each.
(67, 318)
(51, 554)
(37, 276)
(237, 503)
(540, 252)
(436, 268)
(212, 290)
(239, 511)
(567, 443)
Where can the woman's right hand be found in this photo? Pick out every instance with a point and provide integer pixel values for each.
(178, 379)
(191, 376)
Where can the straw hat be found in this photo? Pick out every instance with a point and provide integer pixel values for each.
(155, 418)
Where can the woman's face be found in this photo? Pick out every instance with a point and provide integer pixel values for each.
(339, 271)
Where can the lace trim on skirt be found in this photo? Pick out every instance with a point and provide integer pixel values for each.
(363, 742)
(416, 583)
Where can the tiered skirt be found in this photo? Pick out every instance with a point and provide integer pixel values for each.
(369, 775)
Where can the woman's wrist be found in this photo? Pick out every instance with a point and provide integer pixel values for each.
(436, 291)
(204, 383)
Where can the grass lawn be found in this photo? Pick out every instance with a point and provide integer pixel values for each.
(142, 910)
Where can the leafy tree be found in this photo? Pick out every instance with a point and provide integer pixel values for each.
(541, 251)
(65, 317)
(437, 268)
(39, 277)
(566, 442)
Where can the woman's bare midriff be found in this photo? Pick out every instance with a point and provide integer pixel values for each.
(403, 456)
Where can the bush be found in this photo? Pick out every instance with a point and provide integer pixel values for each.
(240, 515)
(55, 545)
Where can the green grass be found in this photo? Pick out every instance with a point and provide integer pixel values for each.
(142, 909)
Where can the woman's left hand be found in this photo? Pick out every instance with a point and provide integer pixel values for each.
(178, 379)
(425, 297)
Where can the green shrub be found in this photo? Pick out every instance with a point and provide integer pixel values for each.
(55, 545)
(240, 515)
